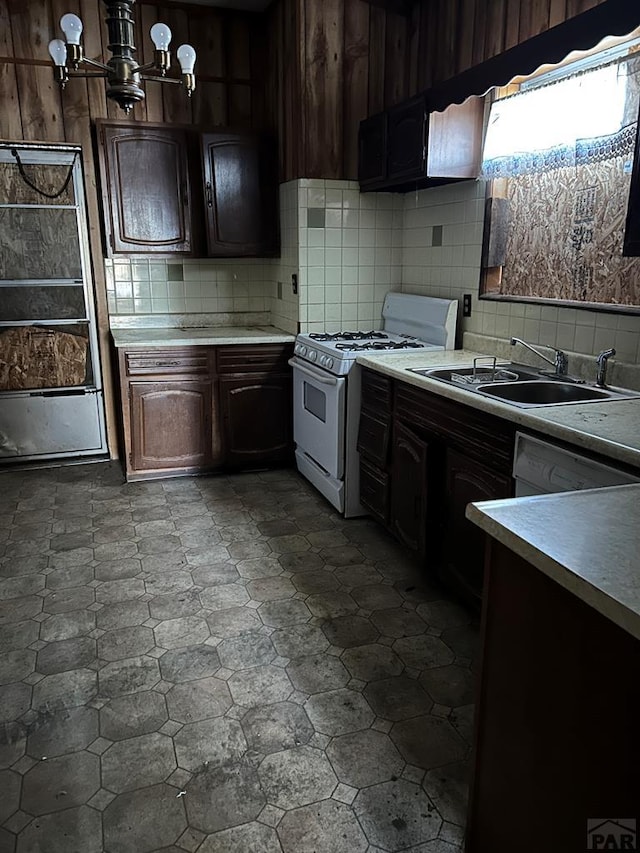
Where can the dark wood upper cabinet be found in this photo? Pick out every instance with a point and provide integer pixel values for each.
(146, 193)
(407, 140)
(158, 180)
(372, 150)
(240, 195)
(409, 147)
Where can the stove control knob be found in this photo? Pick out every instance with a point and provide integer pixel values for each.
(302, 350)
(329, 363)
(312, 355)
(323, 359)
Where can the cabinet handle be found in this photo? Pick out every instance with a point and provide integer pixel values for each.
(167, 363)
(209, 195)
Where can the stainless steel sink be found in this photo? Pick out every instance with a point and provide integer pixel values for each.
(519, 372)
(549, 393)
(552, 393)
(522, 385)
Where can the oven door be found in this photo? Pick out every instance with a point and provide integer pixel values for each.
(319, 415)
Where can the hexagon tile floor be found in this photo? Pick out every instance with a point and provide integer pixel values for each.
(221, 665)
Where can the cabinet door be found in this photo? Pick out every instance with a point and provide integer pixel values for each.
(171, 424)
(409, 488)
(374, 490)
(467, 481)
(406, 140)
(145, 187)
(257, 419)
(454, 147)
(372, 150)
(240, 195)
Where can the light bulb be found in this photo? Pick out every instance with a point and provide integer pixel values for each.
(58, 52)
(187, 58)
(160, 36)
(71, 26)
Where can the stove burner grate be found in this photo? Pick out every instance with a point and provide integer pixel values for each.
(379, 345)
(347, 336)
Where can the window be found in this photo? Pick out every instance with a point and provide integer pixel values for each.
(558, 156)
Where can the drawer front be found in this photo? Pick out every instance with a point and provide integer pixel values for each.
(376, 393)
(480, 436)
(191, 361)
(373, 437)
(374, 491)
(259, 358)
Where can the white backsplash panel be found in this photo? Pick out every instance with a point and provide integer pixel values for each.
(188, 286)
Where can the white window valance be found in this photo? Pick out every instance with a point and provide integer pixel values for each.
(586, 117)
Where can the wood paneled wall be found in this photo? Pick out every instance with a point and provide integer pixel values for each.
(229, 90)
(333, 63)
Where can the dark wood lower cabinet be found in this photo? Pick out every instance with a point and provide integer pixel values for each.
(409, 488)
(256, 419)
(374, 490)
(557, 738)
(423, 459)
(178, 417)
(462, 560)
(171, 425)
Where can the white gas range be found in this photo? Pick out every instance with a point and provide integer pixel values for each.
(326, 389)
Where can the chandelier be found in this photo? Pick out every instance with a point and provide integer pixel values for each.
(122, 72)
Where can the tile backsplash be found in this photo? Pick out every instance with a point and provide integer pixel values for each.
(188, 286)
(350, 254)
(453, 268)
(347, 251)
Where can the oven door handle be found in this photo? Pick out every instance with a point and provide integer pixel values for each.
(317, 376)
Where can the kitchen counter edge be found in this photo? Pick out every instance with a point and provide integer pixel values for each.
(611, 428)
(212, 336)
(561, 536)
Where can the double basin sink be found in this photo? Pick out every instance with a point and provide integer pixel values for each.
(520, 385)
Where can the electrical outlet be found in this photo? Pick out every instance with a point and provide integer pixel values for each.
(294, 283)
(279, 292)
(466, 305)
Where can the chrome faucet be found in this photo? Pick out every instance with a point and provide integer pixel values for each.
(560, 363)
(601, 361)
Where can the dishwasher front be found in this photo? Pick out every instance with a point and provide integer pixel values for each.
(540, 467)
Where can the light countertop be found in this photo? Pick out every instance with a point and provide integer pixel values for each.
(611, 428)
(588, 542)
(210, 336)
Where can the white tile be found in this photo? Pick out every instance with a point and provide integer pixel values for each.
(349, 293)
(367, 237)
(124, 306)
(315, 275)
(349, 275)
(367, 218)
(350, 238)
(366, 275)
(315, 294)
(333, 198)
(350, 257)
(333, 237)
(316, 313)
(123, 290)
(315, 197)
(333, 257)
